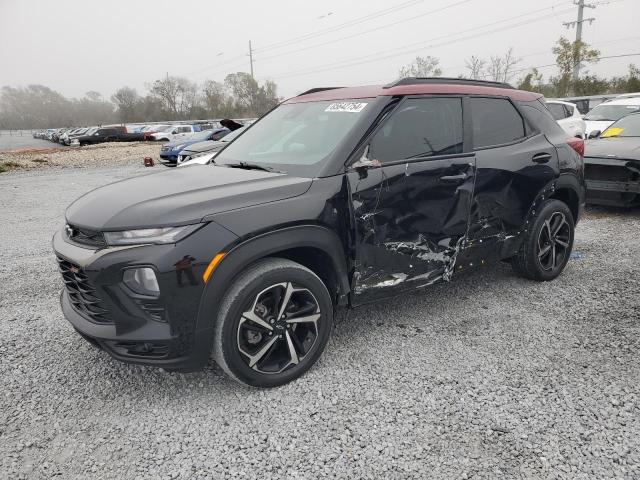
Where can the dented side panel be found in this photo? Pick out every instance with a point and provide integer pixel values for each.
(507, 184)
(410, 221)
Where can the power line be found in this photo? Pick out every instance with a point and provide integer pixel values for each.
(342, 26)
(606, 57)
(358, 34)
(403, 50)
(578, 25)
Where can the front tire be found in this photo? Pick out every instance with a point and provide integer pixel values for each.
(548, 243)
(273, 323)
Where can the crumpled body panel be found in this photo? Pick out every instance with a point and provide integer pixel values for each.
(409, 223)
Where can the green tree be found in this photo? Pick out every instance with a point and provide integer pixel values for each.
(251, 99)
(627, 84)
(568, 56)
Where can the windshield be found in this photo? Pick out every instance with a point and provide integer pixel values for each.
(230, 136)
(200, 136)
(628, 126)
(91, 131)
(295, 135)
(611, 112)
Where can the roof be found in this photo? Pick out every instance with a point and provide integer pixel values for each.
(622, 101)
(371, 91)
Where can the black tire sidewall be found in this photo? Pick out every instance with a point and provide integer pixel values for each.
(547, 209)
(234, 360)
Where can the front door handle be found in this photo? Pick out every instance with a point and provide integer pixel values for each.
(542, 157)
(460, 178)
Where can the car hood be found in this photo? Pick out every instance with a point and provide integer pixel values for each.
(206, 146)
(180, 197)
(625, 148)
(591, 125)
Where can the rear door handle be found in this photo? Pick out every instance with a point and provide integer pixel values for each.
(460, 178)
(542, 157)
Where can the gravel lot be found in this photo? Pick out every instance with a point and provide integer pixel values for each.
(490, 376)
(101, 155)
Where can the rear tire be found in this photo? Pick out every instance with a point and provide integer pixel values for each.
(273, 323)
(548, 243)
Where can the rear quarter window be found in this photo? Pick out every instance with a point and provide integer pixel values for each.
(540, 118)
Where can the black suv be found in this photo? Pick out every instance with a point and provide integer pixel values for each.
(335, 198)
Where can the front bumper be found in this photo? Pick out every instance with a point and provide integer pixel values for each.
(612, 181)
(165, 331)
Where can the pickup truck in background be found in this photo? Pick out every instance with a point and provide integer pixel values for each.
(107, 134)
(174, 132)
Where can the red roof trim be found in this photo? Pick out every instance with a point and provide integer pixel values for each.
(370, 91)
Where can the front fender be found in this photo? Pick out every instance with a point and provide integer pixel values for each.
(243, 254)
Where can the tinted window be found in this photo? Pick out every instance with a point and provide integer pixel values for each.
(557, 110)
(495, 122)
(421, 127)
(219, 135)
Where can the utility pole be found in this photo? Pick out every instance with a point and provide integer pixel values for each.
(251, 58)
(578, 24)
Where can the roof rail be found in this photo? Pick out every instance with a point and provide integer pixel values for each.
(317, 89)
(446, 80)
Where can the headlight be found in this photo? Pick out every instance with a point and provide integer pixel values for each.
(150, 235)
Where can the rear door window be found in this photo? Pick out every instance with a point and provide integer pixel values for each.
(420, 128)
(495, 122)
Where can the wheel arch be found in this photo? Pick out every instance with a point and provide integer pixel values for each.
(316, 247)
(569, 191)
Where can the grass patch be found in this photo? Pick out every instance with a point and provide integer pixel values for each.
(6, 166)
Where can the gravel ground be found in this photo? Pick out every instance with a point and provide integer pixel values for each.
(490, 376)
(101, 155)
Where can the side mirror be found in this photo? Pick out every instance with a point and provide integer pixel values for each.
(594, 133)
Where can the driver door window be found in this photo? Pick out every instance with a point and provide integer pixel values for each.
(420, 128)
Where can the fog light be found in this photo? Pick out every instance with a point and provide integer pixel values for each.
(142, 281)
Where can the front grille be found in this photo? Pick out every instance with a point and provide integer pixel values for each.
(82, 293)
(84, 236)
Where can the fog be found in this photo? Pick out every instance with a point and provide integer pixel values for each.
(76, 46)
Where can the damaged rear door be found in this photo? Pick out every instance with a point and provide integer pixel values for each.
(411, 193)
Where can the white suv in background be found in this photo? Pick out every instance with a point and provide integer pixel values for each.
(174, 132)
(568, 117)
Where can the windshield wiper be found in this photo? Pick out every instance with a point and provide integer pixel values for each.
(248, 166)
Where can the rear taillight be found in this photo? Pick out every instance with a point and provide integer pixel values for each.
(577, 144)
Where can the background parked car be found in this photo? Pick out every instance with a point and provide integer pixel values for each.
(198, 153)
(602, 116)
(169, 152)
(612, 164)
(568, 117)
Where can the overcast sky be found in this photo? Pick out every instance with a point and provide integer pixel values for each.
(74, 46)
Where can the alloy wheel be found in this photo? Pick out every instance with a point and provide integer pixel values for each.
(553, 241)
(279, 329)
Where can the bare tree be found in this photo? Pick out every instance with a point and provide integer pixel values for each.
(476, 66)
(508, 62)
(422, 67)
(501, 67)
(177, 94)
(127, 101)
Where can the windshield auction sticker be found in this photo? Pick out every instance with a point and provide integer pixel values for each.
(352, 107)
